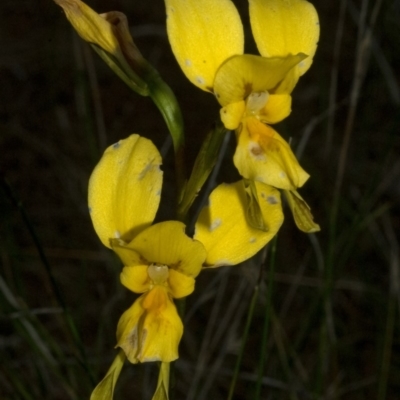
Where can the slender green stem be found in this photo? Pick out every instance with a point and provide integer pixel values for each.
(268, 306)
(244, 340)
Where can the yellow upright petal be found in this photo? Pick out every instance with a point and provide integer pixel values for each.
(283, 27)
(203, 34)
(223, 227)
(242, 75)
(263, 155)
(166, 243)
(125, 188)
(151, 329)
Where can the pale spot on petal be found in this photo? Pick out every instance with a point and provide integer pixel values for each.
(215, 224)
(256, 151)
(253, 240)
(117, 234)
(188, 63)
(200, 80)
(272, 200)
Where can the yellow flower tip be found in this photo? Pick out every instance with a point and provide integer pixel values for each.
(151, 329)
(263, 155)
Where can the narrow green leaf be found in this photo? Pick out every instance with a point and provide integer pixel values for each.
(205, 161)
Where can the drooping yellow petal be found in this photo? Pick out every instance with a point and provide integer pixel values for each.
(283, 27)
(105, 389)
(263, 155)
(278, 107)
(242, 75)
(203, 34)
(223, 227)
(166, 243)
(301, 212)
(125, 188)
(179, 284)
(151, 329)
(136, 278)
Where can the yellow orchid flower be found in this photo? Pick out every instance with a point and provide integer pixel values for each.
(207, 39)
(160, 260)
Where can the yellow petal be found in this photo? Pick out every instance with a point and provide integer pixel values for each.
(278, 107)
(151, 329)
(180, 285)
(263, 155)
(136, 278)
(283, 27)
(242, 75)
(232, 114)
(90, 26)
(301, 212)
(166, 243)
(203, 34)
(125, 188)
(223, 227)
(105, 389)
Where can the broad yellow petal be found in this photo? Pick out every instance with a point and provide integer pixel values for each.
(166, 243)
(203, 34)
(278, 107)
(223, 227)
(242, 75)
(136, 278)
(263, 155)
(283, 27)
(151, 329)
(125, 188)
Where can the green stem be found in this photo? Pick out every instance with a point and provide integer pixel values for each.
(164, 98)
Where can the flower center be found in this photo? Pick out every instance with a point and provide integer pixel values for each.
(256, 101)
(158, 273)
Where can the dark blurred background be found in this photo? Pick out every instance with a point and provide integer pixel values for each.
(60, 107)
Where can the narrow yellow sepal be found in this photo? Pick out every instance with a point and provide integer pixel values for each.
(161, 392)
(105, 389)
(151, 329)
(223, 226)
(301, 212)
(203, 34)
(283, 27)
(242, 75)
(125, 189)
(263, 155)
